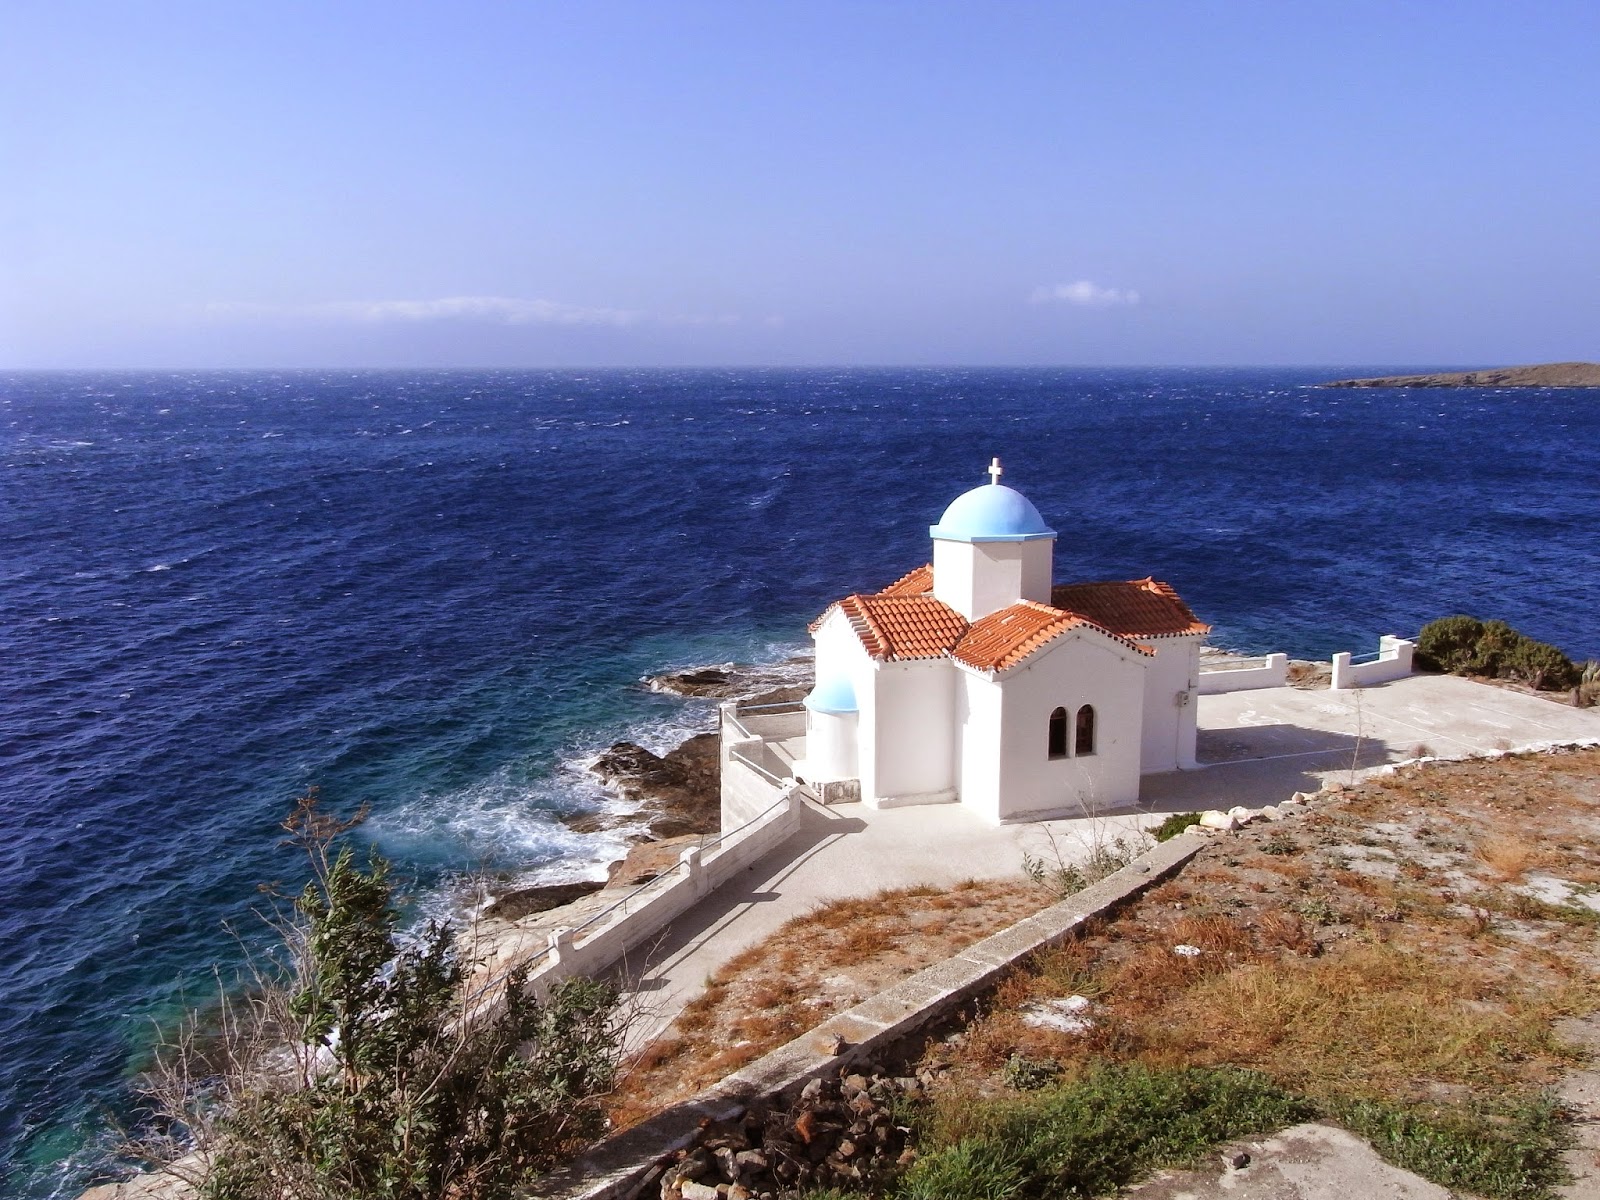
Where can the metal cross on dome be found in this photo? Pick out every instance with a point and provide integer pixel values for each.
(995, 471)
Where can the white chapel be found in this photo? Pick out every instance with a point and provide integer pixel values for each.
(977, 679)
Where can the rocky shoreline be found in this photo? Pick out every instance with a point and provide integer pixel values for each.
(676, 795)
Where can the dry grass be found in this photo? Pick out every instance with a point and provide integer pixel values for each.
(1376, 948)
(1506, 857)
(813, 967)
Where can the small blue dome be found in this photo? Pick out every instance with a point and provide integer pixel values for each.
(991, 513)
(835, 696)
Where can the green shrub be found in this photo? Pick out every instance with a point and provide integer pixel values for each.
(362, 1072)
(1174, 825)
(1449, 644)
(1496, 644)
(1097, 1133)
(1541, 665)
(1466, 646)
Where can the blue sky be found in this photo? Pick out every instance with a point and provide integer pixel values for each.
(610, 183)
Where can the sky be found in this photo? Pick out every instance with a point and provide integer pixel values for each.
(671, 182)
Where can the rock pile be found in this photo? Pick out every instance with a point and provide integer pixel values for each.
(838, 1133)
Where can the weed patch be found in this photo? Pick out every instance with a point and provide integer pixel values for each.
(1511, 1149)
(1093, 1135)
(1174, 825)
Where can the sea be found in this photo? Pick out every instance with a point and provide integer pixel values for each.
(437, 592)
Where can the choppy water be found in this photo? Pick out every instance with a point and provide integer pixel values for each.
(436, 591)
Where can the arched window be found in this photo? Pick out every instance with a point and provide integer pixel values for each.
(1083, 743)
(1058, 733)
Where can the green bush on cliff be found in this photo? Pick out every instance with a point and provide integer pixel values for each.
(1463, 645)
(363, 1072)
(1449, 644)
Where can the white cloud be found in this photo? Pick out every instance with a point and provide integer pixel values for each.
(1084, 294)
(488, 310)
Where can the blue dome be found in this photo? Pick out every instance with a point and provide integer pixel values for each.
(835, 696)
(991, 513)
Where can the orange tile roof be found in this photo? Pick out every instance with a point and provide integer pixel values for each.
(912, 583)
(1135, 608)
(1005, 638)
(904, 621)
(901, 627)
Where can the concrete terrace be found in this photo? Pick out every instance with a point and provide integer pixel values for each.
(1256, 748)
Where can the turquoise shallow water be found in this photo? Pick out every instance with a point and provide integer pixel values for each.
(437, 592)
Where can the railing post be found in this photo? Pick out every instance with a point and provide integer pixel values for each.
(694, 870)
(1343, 676)
(561, 948)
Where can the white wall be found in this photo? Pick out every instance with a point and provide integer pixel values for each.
(978, 728)
(1080, 668)
(909, 721)
(745, 792)
(845, 743)
(1172, 679)
(1273, 671)
(830, 747)
(978, 578)
(646, 910)
(1394, 662)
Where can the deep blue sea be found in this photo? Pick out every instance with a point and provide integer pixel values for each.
(437, 591)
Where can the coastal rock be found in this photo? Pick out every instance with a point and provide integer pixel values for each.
(1542, 375)
(648, 860)
(679, 792)
(525, 902)
(1217, 819)
(738, 681)
(1310, 674)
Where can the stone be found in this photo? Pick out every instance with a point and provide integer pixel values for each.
(648, 860)
(1236, 1160)
(1216, 819)
(525, 902)
(766, 683)
(690, 1190)
(680, 791)
(1241, 814)
(1272, 813)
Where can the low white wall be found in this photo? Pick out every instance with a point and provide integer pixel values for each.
(651, 907)
(745, 792)
(1393, 662)
(1272, 672)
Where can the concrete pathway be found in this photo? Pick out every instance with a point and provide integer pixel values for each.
(1256, 748)
(1305, 1162)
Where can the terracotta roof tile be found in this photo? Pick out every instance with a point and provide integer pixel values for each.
(913, 583)
(1135, 608)
(901, 627)
(1005, 638)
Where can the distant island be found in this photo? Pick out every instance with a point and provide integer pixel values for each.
(1564, 374)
